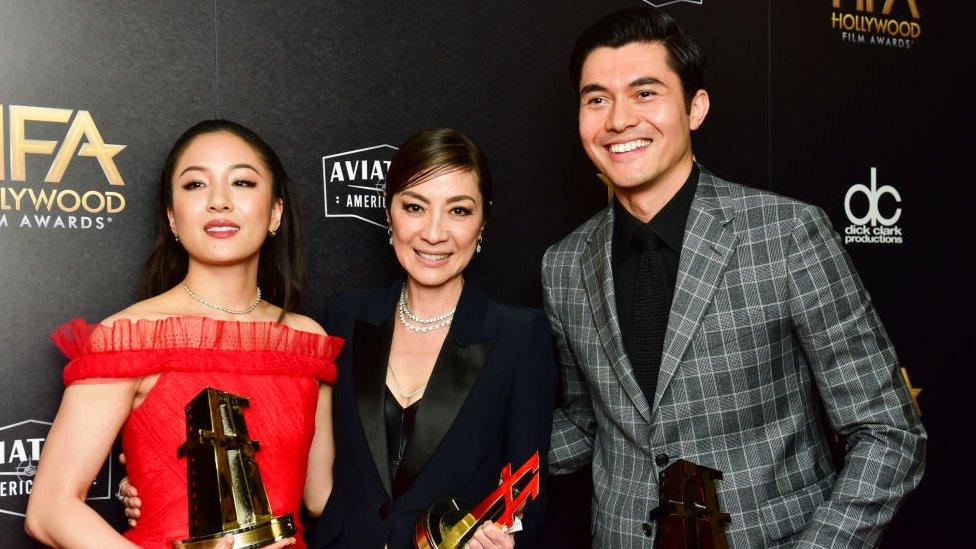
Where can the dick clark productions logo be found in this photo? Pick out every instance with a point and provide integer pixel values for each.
(353, 183)
(870, 225)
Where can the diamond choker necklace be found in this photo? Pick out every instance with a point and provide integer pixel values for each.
(244, 311)
(417, 324)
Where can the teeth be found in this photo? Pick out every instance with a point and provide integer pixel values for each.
(222, 229)
(629, 146)
(432, 257)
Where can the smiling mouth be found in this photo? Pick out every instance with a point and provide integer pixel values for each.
(618, 148)
(432, 257)
(223, 229)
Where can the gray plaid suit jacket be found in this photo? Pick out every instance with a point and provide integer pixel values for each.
(768, 313)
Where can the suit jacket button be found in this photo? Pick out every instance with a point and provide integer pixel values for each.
(661, 460)
(647, 529)
(384, 511)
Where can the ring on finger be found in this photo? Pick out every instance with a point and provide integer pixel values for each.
(118, 493)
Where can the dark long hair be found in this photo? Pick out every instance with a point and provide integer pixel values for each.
(281, 266)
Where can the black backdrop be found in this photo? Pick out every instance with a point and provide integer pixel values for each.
(799, 106)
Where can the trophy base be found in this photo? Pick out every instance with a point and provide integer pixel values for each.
(445, 525)
(248, 537)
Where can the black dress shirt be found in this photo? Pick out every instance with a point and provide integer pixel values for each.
(669, 226)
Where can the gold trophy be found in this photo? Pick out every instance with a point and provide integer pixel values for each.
(225, 490)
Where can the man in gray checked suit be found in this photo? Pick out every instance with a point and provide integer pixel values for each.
(699, 319)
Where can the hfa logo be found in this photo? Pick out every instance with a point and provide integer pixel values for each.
(51, 202)
(662, 3)
(353, 183)
(20, 450)
(862, 26)
(865, 221)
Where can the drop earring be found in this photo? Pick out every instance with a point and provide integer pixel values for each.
(477, 248)
(389, 231)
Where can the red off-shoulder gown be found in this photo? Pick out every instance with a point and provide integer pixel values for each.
(277, 368)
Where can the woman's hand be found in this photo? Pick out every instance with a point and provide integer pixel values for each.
(128, 495)
(131, 501)
(490, 536)
(227, 542)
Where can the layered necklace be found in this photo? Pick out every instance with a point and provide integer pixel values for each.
(244, 311)
(409, 396)
(418, 324)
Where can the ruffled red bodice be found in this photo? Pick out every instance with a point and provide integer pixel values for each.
(276, 367)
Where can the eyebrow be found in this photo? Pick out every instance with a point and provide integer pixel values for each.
(646, 81)
(591, 88)
(642, 81)
(457, 198)
(234, 167)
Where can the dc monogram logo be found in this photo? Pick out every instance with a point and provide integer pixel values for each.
(873, 194)
(662, 3)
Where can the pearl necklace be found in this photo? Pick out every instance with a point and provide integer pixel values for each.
(425, 324)
(243, 311)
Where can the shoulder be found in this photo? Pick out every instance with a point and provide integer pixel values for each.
(358, 302)
(516, 320)
(303, 323)
(571, 245)
(358, 296)
(153, 308)
(763, 210)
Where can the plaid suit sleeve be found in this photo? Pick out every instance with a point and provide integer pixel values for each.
(573, 423)
(858, 377)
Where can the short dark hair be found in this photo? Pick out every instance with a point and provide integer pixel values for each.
(646, 25)
(432, 153)
(281, 267)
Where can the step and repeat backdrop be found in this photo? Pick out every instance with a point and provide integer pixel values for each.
(862, 107)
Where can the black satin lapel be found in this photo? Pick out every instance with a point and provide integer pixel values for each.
(371, 353)
(455, 373)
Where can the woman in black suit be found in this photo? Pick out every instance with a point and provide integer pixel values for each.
(438, 386)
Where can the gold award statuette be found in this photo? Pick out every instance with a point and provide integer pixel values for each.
(224, 485)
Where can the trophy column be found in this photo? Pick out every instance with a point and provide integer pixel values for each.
(226, 493)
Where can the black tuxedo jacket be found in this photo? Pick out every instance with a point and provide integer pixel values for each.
(488, 403)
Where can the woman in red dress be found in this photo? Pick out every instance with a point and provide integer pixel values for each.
(228, 231)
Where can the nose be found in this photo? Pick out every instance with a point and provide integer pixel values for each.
(620, 117)
(434, 231)
(219, 199)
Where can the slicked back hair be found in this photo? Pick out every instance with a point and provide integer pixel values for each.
(644, 25)
(435, 152)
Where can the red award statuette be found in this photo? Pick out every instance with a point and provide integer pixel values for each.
(447, 524)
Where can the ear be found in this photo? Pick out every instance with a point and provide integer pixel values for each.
(172, 220)
(699, 109)
(277, 208)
